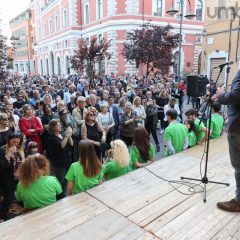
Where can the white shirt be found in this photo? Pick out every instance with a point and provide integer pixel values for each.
(167, 107)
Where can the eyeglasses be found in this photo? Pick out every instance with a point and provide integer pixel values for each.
(5, 119)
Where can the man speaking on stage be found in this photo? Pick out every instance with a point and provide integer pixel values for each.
(232, 99)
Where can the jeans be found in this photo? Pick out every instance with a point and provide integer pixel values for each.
(60, 174)
(234, 150)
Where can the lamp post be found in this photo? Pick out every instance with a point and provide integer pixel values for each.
(27, 45)
(173, 11)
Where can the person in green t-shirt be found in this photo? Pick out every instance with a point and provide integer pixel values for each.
(87, 172)
(120, 159)
(142, 152)
(175, 135)
(217, 121)
(200, 129)
(36, 188)
(192, 139)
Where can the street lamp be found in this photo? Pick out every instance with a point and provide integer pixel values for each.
(173, 11)
(28, 50)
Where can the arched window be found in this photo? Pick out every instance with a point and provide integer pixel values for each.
(99, 9)
(199, 10)
(86, 14)
(157, 7)
(178, 7)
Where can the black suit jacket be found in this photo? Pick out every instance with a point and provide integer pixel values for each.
(232, 99)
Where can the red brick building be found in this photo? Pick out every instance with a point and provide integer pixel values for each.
(58, 24)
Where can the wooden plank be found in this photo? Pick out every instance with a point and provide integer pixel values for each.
(109, 225)
(168, 202)
(53, 220)
(230, 231)
(194, 221)
(136, 190)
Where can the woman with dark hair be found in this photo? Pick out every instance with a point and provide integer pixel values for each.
(192, 139)
(93, 131)
(11, 156)
(60, 153)
(46, 117)
(36, 188)
(87, 172)
(5, 130)
(30, 126)
(142, 151)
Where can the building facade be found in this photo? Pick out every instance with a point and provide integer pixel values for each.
(22, 37)
(219, 44)
(58, 24)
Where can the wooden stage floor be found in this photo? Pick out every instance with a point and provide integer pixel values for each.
(141, 206)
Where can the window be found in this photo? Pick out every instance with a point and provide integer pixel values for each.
(157, 7)
(65, 19)
(199, 10)
(178, 7)
(87, 40)
(100, 37)
(49, 26)
(99, 9)
(45, 29)
(56, 23)
(86, 14)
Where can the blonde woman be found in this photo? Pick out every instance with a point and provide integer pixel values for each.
(120, 160)
(139, 110)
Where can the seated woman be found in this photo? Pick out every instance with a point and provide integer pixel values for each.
(11, 156)
(87, 172)
(192, 139)
(120, 160)
(142, 152)
(36, 188)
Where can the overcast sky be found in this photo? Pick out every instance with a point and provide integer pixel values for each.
(10, 9)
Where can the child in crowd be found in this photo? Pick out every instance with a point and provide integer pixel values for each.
(175, 135)
(192, 139)
(87, 172)
(217, 121)
(200, 129)
(32, 148)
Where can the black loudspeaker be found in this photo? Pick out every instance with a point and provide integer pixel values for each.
(196, 85)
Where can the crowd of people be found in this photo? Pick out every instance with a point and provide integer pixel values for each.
(59, 137)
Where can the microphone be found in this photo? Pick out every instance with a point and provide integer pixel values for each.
(224, 64)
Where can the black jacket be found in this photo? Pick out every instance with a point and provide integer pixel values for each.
(232, 99)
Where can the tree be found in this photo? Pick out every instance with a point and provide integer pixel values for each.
(151, 46)
(88, 55)
(3, 56)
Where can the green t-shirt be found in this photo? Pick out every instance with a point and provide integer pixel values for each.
(176, 133)
(192, 139)
(81, 182)
(216, 125)
(200, 134)
(112, 170)
(40, 193)
(135, 156)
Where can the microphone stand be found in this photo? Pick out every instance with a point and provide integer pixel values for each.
(204, 179)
